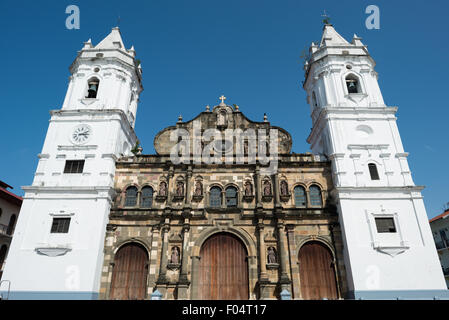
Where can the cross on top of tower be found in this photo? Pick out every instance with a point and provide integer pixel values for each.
(222, 98)
(326, 18)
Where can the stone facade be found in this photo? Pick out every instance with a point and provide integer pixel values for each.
(261, 220)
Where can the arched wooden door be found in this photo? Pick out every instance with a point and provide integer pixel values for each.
(129, 276)
(223, 271)
(316, 270)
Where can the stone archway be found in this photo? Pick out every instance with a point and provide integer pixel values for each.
(223, 268)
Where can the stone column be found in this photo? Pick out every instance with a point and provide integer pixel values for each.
(277, 199)
(187, 185)
(163, 268)
(263, 277)
(183, 279)
(169, 177)
(195, 274)
(284, 279)
(257, 187)
(293, 258)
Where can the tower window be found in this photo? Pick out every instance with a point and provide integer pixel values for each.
(385, 225)
(215, 197)
(60, 225)
(231, 197)
(74, 166)
(373, 171)
(147, 197)
(92, 88)
(352, 83)
(131, 197)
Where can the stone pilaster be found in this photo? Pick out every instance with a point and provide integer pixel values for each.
(183, 279)
(257, 188)
(163, 266)
(284, 278)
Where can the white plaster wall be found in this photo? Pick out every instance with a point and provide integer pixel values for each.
(78, 269)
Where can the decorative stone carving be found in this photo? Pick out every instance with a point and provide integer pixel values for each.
(198, 193)
(248, 192)
(271, 255)
(162, 193)
(267, 188)
(198, 189)
(272, 258)
(180, 189)
(284, 195)
(267, 194)
(174, 258)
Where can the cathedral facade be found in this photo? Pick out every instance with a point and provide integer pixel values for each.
(223, 209)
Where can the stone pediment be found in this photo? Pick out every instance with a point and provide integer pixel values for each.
(222, 119)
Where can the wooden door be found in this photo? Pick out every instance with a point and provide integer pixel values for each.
(129, 276)
(317, 274)
(223, 271)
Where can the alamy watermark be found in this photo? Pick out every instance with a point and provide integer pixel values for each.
(236, 146)
(373, 20)
(73, 20)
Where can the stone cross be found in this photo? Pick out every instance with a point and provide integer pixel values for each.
(222, 98)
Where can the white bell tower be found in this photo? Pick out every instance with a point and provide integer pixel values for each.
(388, 245)
(57, 249)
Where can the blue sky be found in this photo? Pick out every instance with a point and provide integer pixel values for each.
(194, 51)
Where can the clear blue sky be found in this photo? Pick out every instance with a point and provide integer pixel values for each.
(194, 51)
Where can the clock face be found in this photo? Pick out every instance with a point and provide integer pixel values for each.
(81, 134)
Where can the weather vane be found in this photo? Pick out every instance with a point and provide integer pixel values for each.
(326, 17)
(118, 21)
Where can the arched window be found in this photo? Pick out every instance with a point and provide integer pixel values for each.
(315, 196)
(373, 171)
(231, 197)
(92, 88)
(147, 197)
(215, 197)
(352, 83)
(131, 197)
(300, 196)
(12, 223)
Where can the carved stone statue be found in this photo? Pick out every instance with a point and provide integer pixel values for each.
(221, 118)
(174, 255)
(267, 188)
(180, 189)
(162, 189)
(198, 189)
(272, 255)
(248, 189)
(284, 188)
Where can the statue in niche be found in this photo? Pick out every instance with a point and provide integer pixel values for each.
(221, 118)
(245, 147)
(180, 189)
(163, 189)
(248, 189)
(198, 189)
(272, 255)
(174, 258)
(267, 188)
(284, 188)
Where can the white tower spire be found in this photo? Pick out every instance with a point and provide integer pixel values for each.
(57, 250)
(389, 248)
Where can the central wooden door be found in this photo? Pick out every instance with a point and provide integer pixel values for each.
(317, 274)
(223, 272)
(129, 276)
